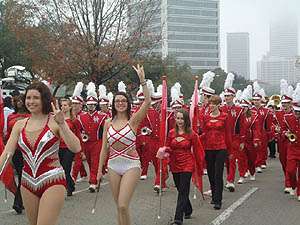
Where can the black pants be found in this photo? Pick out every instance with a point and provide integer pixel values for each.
(183, 181)
(66, 158)
(272, 148)
(215, 160)
(17, 161)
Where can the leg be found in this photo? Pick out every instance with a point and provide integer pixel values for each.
(51, 204)
(114, 182)
(210, 157)
(183, 183)
(94, 161)
(69, 156)
(31, 204)
(127, 186)
(219, 168)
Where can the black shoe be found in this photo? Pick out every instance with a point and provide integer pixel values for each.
(18, 209)
(231, 189)
(217, 206)
(69, 193)
(189, 216)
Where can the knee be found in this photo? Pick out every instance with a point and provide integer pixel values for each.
(122, 209)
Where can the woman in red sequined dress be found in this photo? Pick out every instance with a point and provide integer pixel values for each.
(43, 179)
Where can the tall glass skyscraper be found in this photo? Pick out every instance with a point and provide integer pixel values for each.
(190, 31)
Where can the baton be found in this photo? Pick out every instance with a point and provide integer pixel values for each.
(96, 199)
(160, 188)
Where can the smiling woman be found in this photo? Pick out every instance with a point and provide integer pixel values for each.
(43, 179)
(119, 145)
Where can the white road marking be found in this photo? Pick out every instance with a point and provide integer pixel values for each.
(226, 214)
(8, 211)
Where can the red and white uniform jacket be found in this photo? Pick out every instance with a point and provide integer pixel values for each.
(92, 125)
(293, 125)
(265, 120)
(250, 132)
(233, 126)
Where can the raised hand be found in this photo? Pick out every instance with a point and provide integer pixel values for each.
(58, 114)
(140, 72)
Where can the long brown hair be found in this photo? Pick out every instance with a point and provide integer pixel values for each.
(187, 121)
(113, 109)
(46, 96)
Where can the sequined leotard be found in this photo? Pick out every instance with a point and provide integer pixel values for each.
(41, 163)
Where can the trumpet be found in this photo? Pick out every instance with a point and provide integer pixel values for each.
(146, 131)
(84, 137)
(291, 136)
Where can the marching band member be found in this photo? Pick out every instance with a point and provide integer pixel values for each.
(77, 105)
(265, 123)
(249, 131)
(43, 179)
(280, 129)
(182, 147)
(92, 124)
(119, 140)
(214, 136)
(232, 137)
(292, 121)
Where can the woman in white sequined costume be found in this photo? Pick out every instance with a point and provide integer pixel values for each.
(43, 178)
(119, 138)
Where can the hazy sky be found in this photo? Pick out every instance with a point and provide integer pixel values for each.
(253, 16)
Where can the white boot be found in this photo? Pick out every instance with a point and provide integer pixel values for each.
(230, 186)
(252, 178)
(241, 180)
(287, 190)
(258, 170)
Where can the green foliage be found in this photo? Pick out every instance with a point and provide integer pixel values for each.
(11, 50)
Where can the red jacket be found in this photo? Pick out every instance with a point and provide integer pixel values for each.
(92, 125)
(250, 129)
(182, 158)
(214, 132)
(265, 119)
(293, 125)
(233, 126)
(12, 119)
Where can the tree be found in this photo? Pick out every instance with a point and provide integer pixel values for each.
(11, 50)
(82, 39)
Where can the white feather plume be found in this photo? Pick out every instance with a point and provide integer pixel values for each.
(207, 79)
(174, 94)
(150, 87)
(91, 89)
(78, 89)
(178, 86)
(238, 95)
(229, 81)
(121, 87)
(247, 93)
(110, 97)
(159, 89)
(283, 87)
(296, 94)
(290, 91)
(102, 91)
(256, 87)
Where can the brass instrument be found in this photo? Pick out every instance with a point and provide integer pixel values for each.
(291, 136)
(146, 131)
(276, 99)
(84, 137)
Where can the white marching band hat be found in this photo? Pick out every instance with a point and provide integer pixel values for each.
(91, 98)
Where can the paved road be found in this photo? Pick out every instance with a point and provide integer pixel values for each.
(261, 203)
